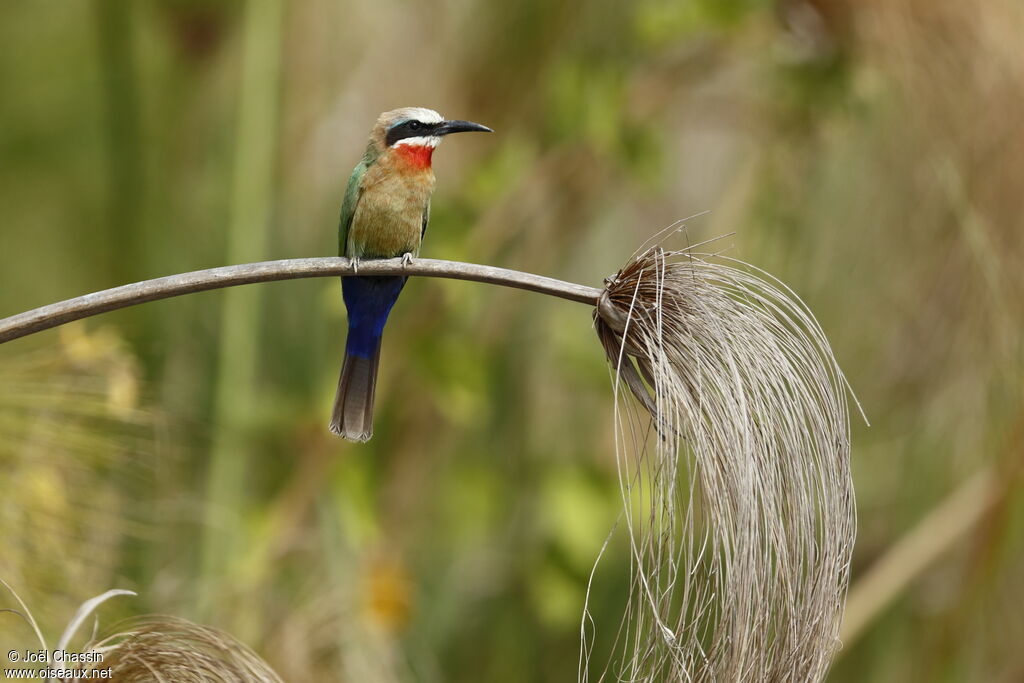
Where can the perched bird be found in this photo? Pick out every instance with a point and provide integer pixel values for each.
(384, 215)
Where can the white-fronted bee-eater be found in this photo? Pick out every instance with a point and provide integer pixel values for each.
(384, 215)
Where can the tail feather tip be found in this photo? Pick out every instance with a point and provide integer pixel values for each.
(350, 435)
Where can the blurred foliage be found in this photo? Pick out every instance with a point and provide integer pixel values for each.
(868, 154)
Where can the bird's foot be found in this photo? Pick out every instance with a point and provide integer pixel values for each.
(355, 265)
(407, 259)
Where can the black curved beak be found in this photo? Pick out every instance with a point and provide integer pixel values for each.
(461, 127)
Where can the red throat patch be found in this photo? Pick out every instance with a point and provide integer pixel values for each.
(417, 156)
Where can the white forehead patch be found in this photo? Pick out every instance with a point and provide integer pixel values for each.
(420, 114)
(420, 141)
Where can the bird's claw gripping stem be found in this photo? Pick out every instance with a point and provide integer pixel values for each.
(355, 266)
(407, 259)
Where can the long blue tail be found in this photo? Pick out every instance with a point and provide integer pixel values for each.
(369, 301)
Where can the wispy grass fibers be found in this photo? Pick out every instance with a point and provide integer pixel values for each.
(735, 474)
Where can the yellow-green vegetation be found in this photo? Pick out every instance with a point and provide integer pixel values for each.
(868, 154)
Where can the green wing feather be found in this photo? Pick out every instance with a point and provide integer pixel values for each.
(348, 205)
(426, 219)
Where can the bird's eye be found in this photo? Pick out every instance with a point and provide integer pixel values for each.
(415, 125)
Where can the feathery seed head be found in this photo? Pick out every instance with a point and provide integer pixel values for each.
(742, 537)
(161, 648)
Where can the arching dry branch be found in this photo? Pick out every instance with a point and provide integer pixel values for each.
(136, 293)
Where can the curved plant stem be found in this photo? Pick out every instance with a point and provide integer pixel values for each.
(45, 317)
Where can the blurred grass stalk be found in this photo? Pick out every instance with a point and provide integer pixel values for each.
(115, 41)
(251, 208)
(938, 532)
(894, 572)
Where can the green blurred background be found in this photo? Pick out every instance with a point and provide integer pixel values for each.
(870, 154)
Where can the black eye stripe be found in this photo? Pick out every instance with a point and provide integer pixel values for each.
(406, 129)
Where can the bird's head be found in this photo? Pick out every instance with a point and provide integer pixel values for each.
(413, 133)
